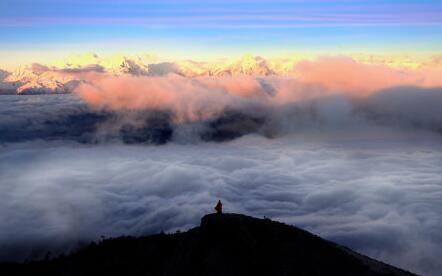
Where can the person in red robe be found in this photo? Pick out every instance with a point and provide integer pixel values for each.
(219, 207)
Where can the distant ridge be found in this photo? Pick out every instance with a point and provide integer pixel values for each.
(227, 244)
(63, 77)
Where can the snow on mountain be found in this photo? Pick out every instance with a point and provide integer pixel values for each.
(247, 65)
(48, 83)
(250, 65)
(122, 64)
(38, 79)
(191, 68)
(61, 76)
(114, 64)
(21, 74)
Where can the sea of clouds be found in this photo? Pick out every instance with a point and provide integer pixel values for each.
(376, 192)
(129, 155)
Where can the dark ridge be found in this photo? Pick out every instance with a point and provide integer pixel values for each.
(232, 125)
(83, 127)
(155, 130)
(131, 127)
(227, 244)
(93, 127)
(79, 127)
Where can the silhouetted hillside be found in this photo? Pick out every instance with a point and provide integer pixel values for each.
(228, 244)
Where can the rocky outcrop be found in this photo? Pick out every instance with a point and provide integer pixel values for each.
(227, 244)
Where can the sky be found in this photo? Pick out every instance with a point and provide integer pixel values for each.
(46, 29)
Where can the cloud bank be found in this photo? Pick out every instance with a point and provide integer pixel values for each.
(183, 119)
(191, 99)
(160, 109)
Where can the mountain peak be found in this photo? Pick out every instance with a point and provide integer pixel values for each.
(251, 65)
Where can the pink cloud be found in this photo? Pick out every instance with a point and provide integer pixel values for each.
(199, 98)
(343, 74)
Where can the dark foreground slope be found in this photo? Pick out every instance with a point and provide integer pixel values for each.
(227, 244)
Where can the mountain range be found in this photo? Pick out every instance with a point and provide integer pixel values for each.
(63, 75)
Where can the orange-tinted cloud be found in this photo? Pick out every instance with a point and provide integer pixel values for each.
(343, 74)
(195, 98)
(189, 98)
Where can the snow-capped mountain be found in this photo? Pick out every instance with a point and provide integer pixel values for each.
(38, 79)
(114, 64)
(62, 76)
(250, 65)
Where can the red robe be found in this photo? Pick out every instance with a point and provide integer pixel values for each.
(219, 207)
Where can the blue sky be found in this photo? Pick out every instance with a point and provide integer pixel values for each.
(227, 27)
